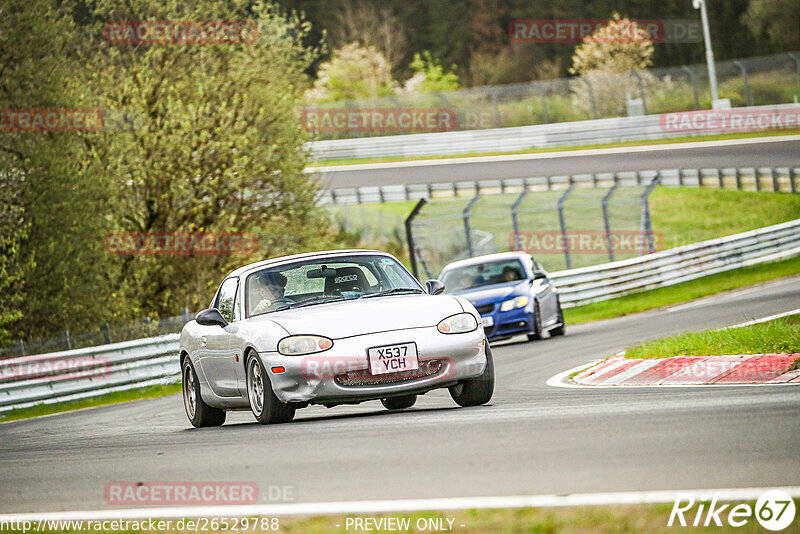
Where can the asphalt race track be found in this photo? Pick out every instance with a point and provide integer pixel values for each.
(777, 152)
(531, 439)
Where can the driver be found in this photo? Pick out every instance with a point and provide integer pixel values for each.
(510, 274)
(268, 288)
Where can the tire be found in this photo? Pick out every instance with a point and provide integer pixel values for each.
(478, 390)
(399, 403)
(561, 330)
(537, 324)
(199, 413)
(265, 406)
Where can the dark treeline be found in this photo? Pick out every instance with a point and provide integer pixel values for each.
(473, 34)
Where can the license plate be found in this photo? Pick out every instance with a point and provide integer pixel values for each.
(393, 358)
(487, 321)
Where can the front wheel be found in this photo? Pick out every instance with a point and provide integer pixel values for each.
(199, 413)
(537, 324)
(399, 403)
(561, 330)
(478, 390)
(265, 405)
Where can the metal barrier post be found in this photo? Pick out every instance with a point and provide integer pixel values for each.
(410, 236)
(591, 97)
(738, 179)
(563, 222)
(792, 177)
(515, 219)
(641, 90)
(693, 78)
(607, 219)
(424, 263)
(467, 231)
(647, 223)
(748, 96)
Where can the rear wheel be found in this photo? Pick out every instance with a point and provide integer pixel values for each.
(537, 324)
(266, 407)
(561, 330)
(399, 403)
(478, 390)
(199, 413)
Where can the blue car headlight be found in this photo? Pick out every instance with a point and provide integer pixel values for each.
(513, 304)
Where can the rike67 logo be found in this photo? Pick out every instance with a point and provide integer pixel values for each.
(774, 510)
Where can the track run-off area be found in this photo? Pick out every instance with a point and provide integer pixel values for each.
(532, 439)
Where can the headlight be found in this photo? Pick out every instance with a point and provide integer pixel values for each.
(513, 304)
(299, 345)
(458, 324)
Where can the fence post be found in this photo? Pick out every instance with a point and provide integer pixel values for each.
(424, 263)
(106, 330)
(447, 107)
(545, 115)
(607, 219)
(747, 95)
(797, 64)
(738, 179)
(647, 223)
(465, 215)
(757, 176)
(65, 341)
(792, 177)
(412, 249)
(591, 96)
(20, 347)
(693, 78)
(776, 187)
(721, 178)
(641, 90)
(349, 106)
(497, 118)
(515, 218)
(563, 222)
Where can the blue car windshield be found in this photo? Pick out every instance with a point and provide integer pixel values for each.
(483, 274)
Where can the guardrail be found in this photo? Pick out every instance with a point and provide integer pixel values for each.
(84, 373)
(589, 132)
(681, 264)
(754, 178)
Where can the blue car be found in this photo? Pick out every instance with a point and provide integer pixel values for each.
(511, 291)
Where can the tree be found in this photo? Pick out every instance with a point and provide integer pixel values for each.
(353, 72)
(777, 20)
(369, 25)
(216, 145)
(429, 75)
(605, 59)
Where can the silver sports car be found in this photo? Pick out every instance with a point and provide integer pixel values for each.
(336, 327)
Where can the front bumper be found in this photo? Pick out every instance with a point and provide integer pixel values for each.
(509, 323)
(341, 374)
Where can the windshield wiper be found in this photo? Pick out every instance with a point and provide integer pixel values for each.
(393, 291)
(320, 299)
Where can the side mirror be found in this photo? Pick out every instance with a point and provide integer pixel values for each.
(539, 275)
(434, 287)
(210, 317)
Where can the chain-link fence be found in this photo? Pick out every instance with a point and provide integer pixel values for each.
(765, 80)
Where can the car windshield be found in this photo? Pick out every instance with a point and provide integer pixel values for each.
(483, 274)
(319, 281)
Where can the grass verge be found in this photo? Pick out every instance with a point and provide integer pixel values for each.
(694, 289)
(101, 400)
(671, 141)
(779, 336)
(652, 518)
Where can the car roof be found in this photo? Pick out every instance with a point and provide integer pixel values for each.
(246, 269)
(488, 258)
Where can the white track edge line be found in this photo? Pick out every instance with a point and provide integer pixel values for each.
(405, 505)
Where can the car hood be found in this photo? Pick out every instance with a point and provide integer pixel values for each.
(494, 293)
(365, 316)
